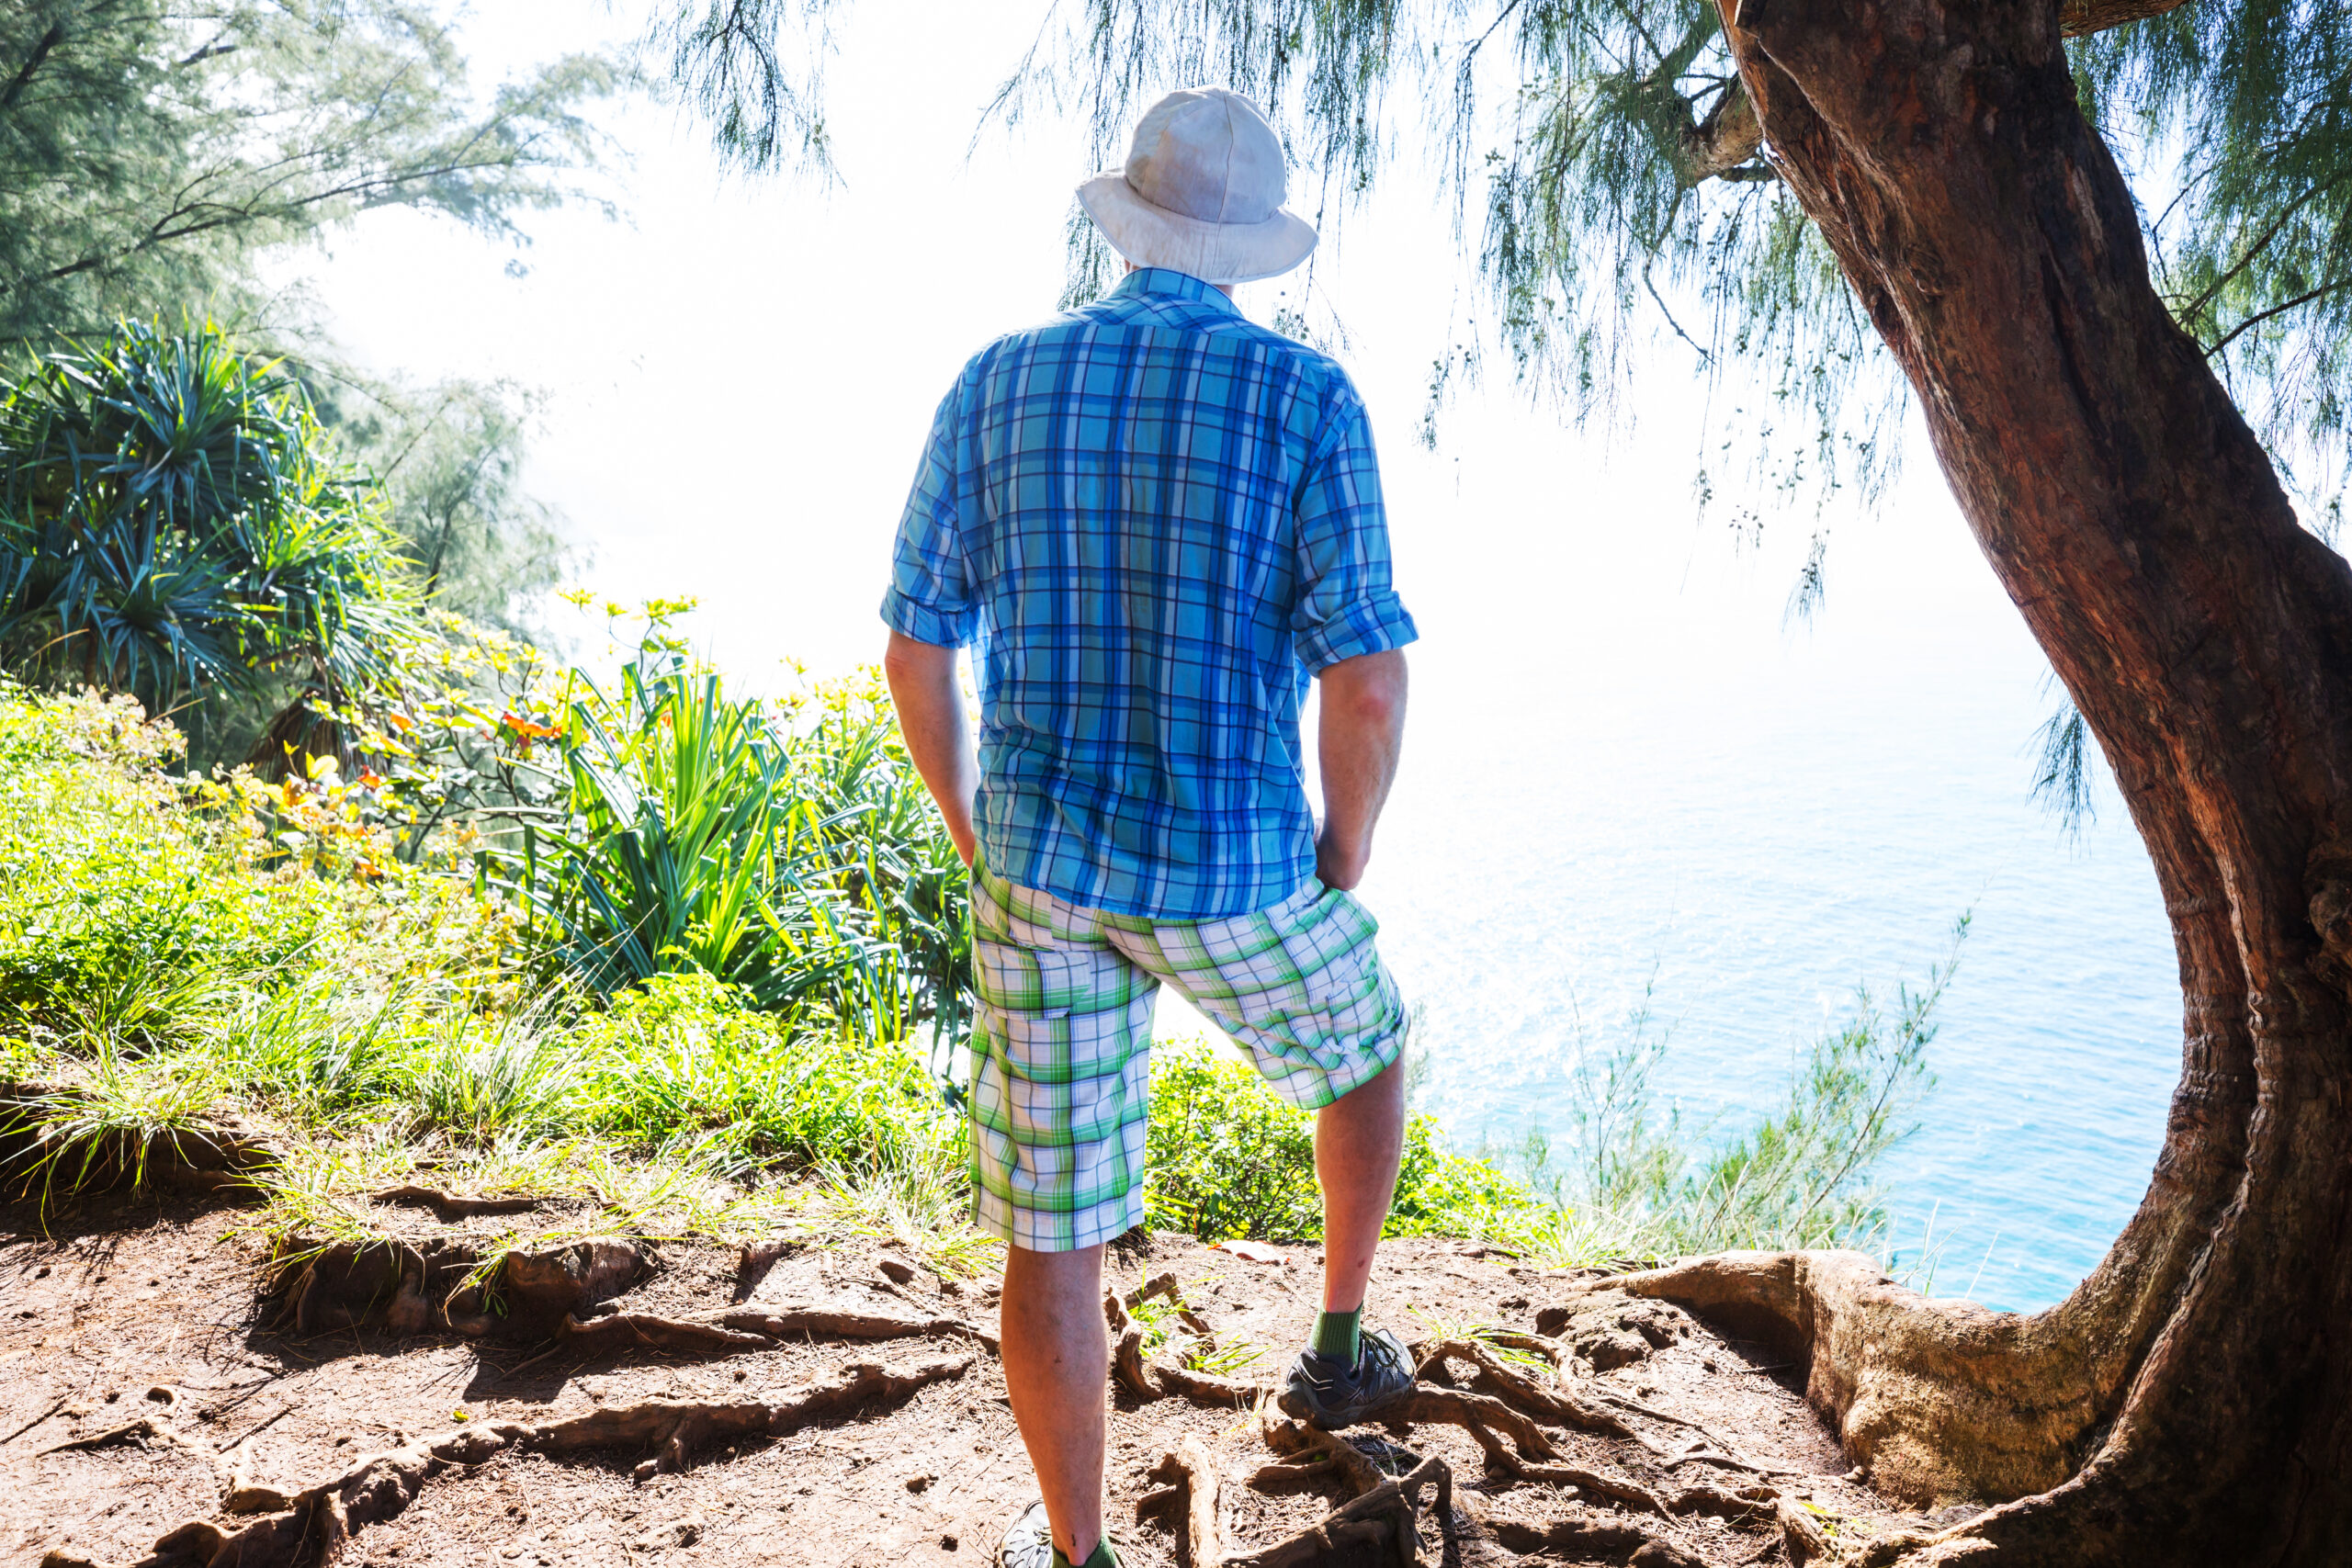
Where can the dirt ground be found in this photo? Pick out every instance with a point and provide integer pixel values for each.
(146, 1322)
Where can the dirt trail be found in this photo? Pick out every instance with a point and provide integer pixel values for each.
(153, 1390)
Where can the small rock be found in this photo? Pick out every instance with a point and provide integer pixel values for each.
(920, 1482)
(669, 1536)
(897, 1272)
(947, 1543)
(1613, 1348)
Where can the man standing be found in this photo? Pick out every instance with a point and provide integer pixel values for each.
(1155, 520)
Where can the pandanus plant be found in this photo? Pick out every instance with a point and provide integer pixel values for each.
(172, 520)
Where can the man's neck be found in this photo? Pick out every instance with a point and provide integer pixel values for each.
(1224, 289)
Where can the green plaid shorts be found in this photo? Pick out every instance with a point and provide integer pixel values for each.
(1062, 1039)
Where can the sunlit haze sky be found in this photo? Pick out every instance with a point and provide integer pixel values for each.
(1625, 774)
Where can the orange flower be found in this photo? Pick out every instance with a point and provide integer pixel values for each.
(529, 730)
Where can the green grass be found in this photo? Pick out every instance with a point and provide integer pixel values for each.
(165, 964)
(169, 961)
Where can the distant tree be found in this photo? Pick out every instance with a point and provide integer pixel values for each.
(1800, 184)
(448, 458)
(175, 523)
(150, 152)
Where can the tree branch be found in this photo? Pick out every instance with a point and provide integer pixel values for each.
(1726, 139)
(2080, 18)
(2279, 309)
(48, 41)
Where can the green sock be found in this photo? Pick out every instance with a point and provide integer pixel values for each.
(1340, 1336)
(1100, 1557)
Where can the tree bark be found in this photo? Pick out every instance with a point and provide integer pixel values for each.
(2191, 1403)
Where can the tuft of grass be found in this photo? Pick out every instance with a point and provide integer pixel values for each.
(116, 1114)
(512, 1088)
(1230, 1359)
(924, 1208)
(1439, 1326)
(316, 1049)
(1639, 1187)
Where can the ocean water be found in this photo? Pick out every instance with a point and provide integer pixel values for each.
(1743, 888)
(1628, 776)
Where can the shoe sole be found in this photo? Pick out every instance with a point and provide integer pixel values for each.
(1325, 1421)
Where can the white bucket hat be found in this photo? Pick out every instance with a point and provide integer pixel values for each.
(1201, 192)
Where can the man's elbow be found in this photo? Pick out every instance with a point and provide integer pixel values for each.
(908, 661)
(1369, 689)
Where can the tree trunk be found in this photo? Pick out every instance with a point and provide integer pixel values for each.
(2191, 1403)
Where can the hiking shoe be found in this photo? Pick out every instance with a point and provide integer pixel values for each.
(1322, 1392)
(1030, 1542)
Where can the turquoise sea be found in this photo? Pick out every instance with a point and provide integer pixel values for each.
(1627, 774)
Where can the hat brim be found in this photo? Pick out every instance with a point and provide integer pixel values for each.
(1149, 235)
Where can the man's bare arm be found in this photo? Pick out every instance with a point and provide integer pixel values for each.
(931, 715)
(1357, 739)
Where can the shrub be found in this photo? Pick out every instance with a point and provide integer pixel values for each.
(112, 914)
(172, 519)
(785, 849)
(1228, 1157)
(685, 1055)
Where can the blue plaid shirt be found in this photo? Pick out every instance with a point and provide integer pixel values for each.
(1156, 519)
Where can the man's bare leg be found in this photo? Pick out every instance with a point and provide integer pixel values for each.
(1359, 1141)
(1057, 1368)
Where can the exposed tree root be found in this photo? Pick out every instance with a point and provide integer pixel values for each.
(632, 1330)
(1162, 1285)
(1296, 1437)
(799, 1322)
(1192, 1468)
(317, 1522)
(450, 1207)
(1616, 1488)
(438, 1285)
(1801, 1535)
(1165, 1376)
(1381, 1522)
(212, 1157)
(1378, 1522)
(1307, 1469)
(1515, 1388)
(143, 1431)
(1902, 1379)
(1486, 1419)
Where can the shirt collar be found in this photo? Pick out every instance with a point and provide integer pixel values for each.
(1167, 280)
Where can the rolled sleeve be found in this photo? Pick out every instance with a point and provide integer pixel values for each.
(930, 597)
(1346, 604)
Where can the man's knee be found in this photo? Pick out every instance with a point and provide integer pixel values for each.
(1030, 1271)
(1385, 1086)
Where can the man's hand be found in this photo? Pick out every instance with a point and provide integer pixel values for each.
(930, 715)
(1357, 739)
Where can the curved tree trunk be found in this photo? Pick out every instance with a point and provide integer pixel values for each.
(2191, 1403)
